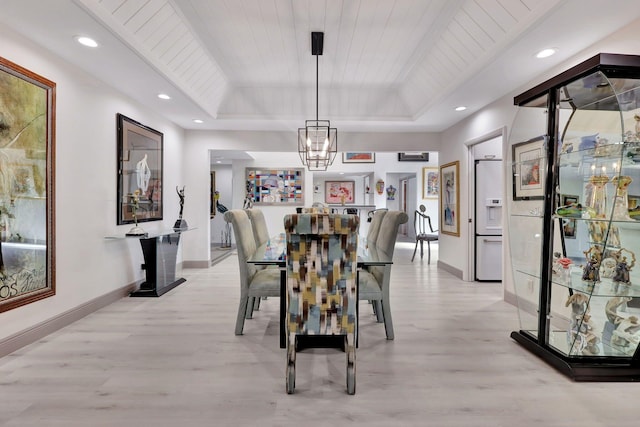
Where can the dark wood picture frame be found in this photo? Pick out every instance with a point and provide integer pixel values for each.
(27, 190)
(528, 169)
(212, 195)
(413, 157)
(140, 169)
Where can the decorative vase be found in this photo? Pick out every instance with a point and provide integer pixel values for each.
(598, 197)
(380, 186)
(621, 201)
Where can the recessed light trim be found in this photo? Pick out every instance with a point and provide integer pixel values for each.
(198, 121)
(163, 96)
(86, 41)
(461, 108)
(545, 53)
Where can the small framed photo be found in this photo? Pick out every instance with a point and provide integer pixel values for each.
(339, 192)
(359, 157)
(528, 169)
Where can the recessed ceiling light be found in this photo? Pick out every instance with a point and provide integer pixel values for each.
(461, 108)
(545, 53)
(86, 41)
(163, 96)
(197, 121)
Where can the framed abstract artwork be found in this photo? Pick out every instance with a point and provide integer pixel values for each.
(274, 186)
(339, 192)
(450, 199)
(430, 183)
(140, 157)
(27, 186)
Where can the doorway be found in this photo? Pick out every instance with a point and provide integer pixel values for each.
(485, 249)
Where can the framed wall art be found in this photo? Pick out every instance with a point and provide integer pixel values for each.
(450, 199)
(339, 192)
(359, 157)
(528, 169)
(430, 183)
(27, 186)
(212, 195)
(140, 157)
(275, 186)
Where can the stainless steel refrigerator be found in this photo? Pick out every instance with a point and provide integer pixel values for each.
(488, 220)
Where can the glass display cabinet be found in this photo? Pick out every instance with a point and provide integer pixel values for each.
(574, 219)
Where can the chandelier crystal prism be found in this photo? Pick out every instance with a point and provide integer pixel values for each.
(317, 140)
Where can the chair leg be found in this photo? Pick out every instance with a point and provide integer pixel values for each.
(388, 323)
(428, 252)
(291, 364)
(242, 312)
(351, 364)
(378, 310)
(256, 304)
(250, 307)
(421, 249)
(414, 251)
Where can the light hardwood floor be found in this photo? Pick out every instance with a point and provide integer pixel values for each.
(174, 361)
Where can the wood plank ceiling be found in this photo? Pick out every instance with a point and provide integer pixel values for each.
(383, 59)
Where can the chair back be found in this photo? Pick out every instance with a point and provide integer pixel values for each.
(386, 240)
(321, 273)
(245, 243)
(374, 224)
(422, 224)
(259, 226)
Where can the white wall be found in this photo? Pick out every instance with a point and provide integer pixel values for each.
(87, 265)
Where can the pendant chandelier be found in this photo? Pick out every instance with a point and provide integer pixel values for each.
(317, 140)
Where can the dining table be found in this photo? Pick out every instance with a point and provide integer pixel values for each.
(274, 253)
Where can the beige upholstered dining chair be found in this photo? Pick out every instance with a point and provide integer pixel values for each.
(376, 217)
(254, 282)
(259, 226)
(374, 283)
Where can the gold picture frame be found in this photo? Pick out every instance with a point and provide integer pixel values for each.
(450, 199)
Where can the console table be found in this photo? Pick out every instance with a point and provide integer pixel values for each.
(160, 251)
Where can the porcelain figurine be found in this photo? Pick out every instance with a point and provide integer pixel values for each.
(626, 331)
(591, 270)
(621, 280)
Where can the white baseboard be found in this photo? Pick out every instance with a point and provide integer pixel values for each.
(30, 335)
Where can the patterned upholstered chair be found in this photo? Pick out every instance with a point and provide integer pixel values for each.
(374, 282)
(321, 284)
(254, 283)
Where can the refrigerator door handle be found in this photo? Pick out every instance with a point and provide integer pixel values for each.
(491, 241)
